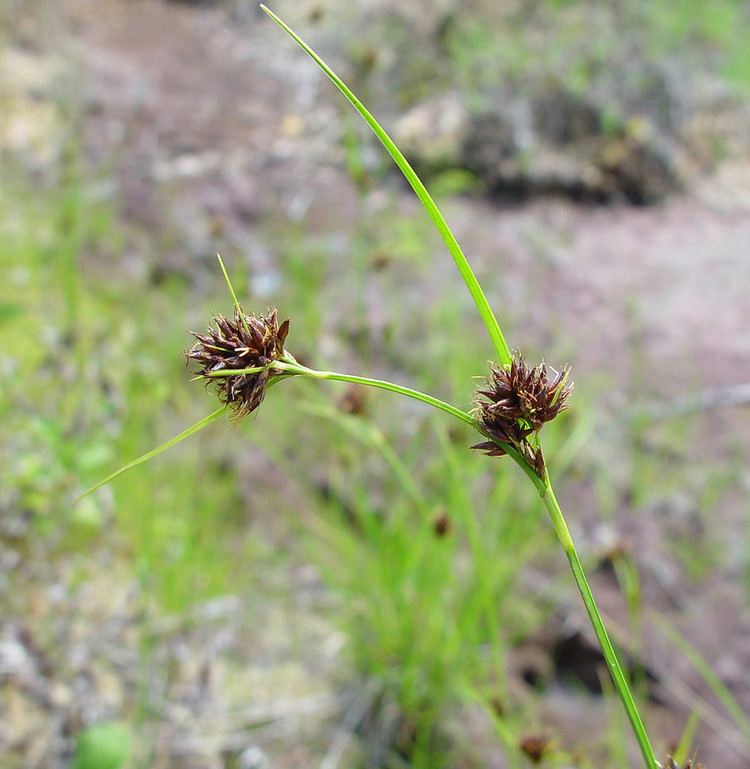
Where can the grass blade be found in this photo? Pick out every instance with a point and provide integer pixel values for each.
(199, 425)
(231, 291)
(485, 311)
(720, 690)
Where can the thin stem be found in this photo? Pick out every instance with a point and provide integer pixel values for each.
(222, 372)
(290, 365)
(610, 657)
(464, 268)
(295, 368)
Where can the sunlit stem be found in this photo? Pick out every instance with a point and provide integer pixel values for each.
(296, 368)
(610, 656)
(292, 368)
(236, 301)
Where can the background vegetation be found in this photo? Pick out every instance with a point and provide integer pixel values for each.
(338, 580)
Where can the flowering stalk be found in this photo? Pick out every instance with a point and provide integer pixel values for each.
(242, 357)
(511, 428)
(507, 418)
(610, 656)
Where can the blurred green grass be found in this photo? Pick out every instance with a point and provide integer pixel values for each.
(92, 376)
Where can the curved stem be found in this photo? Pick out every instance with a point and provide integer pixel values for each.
(296, 368)
(610, 657)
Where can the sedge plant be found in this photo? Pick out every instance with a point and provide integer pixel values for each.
(245, 355)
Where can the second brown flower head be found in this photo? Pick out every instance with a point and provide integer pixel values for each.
(513, 405)
(242, 342)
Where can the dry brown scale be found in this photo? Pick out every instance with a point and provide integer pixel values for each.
(245, 341)
(514, 404)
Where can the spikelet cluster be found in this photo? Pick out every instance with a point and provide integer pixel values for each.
(513, 405)
(241, 342)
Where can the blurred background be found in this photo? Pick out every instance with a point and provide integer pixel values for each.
(337, 581)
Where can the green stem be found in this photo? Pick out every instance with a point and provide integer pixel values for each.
(236, 301)
(610, 657)
(381, 384)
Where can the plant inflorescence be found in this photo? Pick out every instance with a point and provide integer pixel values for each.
(243, 356)
(513, 406)
(242, 342)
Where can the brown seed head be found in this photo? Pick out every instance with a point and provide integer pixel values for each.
(441, 524)
(535, 746)
(243, 342)
(514, 404)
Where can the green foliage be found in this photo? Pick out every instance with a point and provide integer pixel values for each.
(103, 746)
(428, 610)
(90, 382)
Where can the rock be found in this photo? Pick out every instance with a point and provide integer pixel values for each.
(31, 125)
(638, 166)
(434, 132)
(561, 118)
(552, 142)
(253, 758)
(491, 148)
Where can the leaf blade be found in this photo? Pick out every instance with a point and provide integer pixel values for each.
(464, 268)
(199, 425)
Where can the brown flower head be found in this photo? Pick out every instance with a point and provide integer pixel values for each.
(245, 341)
(441, 524)
(535, 747)
(514, 404)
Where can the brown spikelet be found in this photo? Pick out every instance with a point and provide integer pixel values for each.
(514, 404)
(535, 747)
(441, 524)
(671, 764)
(244, 341)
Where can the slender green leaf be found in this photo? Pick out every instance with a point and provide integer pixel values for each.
(368, 433)
(231, 291)
(485, 311)
(714, 683)
(199, 425)
(682, 750)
